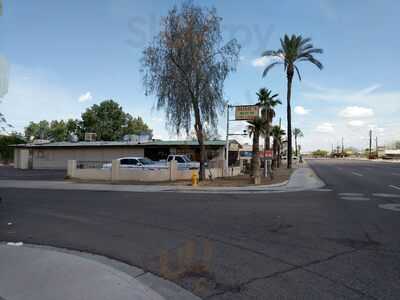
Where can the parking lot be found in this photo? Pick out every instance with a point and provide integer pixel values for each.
(10, 173)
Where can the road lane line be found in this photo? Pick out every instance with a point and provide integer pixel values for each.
(394, 187)
(390, 206)
(357, 174)
(386, 195)
(351, 194)
(355, 198)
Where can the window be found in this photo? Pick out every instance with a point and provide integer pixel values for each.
(131, 162)
(146, 161)
(179, 159)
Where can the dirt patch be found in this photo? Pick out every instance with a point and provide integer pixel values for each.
(280, 175)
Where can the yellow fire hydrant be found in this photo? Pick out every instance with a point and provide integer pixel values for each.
(195, 178)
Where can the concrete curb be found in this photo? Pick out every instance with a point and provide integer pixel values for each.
(302, 179)
(158, 286)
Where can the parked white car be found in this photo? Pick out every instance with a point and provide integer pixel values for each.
(136, 163)
(184, 162)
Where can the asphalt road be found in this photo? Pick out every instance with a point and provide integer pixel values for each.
(10, 173)
(337, 243)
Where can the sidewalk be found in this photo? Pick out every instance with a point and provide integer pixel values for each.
(44, 273)
(302, 179)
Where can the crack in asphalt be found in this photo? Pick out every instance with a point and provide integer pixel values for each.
(304, 268)
(293, 267)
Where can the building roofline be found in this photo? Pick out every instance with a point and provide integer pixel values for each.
(117, 144)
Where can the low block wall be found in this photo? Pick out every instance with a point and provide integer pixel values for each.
(144, 175)
(92, 174)
(116, 173)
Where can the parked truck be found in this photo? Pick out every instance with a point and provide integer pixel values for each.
(183, 162)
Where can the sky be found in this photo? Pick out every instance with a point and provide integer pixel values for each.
(64, 56)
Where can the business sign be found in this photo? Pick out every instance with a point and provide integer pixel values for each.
(268, 153)
(246, 112)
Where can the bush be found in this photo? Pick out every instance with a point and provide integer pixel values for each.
(7, 152)
(320, 153)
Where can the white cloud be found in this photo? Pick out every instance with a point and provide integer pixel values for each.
(382, 102)
(325, 128)
(356, 112)
(85, 97)
(300, 110)
(356, 123)
(35, 95)
(263, 61)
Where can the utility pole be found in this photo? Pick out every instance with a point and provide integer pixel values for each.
(342, 147)
(376, 142)
(227, 140)
(370, 142)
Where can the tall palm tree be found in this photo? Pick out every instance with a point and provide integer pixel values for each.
(293, 49)
(277, 134)
(256, 128)
(267, 102)
(297, 134)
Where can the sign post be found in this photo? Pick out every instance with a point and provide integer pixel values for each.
(242, 113)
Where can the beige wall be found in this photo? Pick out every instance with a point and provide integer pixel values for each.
(121, 174)
(58, 158)
(21, 158)
(92, 174)
(144, 175)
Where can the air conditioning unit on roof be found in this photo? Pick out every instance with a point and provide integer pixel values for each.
(90, 137)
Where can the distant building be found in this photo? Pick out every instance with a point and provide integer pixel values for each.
(391, 154)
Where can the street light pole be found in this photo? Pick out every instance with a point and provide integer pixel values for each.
(227, 140)
(342, 147)
(370, 143)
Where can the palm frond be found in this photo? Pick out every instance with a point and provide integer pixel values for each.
(298, 72)
(268, 68)
(311, 51)
(316, 62)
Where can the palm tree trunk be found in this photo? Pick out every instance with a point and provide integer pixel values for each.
(290, 73)
(295, 144)
(275, 157)
(267, 146)
(255, 161)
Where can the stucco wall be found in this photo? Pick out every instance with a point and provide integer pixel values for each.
(21, 158)
(58, 158)
(92, 174)
(144, 175)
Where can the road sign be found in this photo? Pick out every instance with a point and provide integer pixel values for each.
(246, 112)
(268, 154)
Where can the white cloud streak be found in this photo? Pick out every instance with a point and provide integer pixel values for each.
(85, 97)
(325, 128)
(356, 112)
(356, 123)
(300, 110)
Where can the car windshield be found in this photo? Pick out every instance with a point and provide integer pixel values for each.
(187, 159)
(146, 161)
